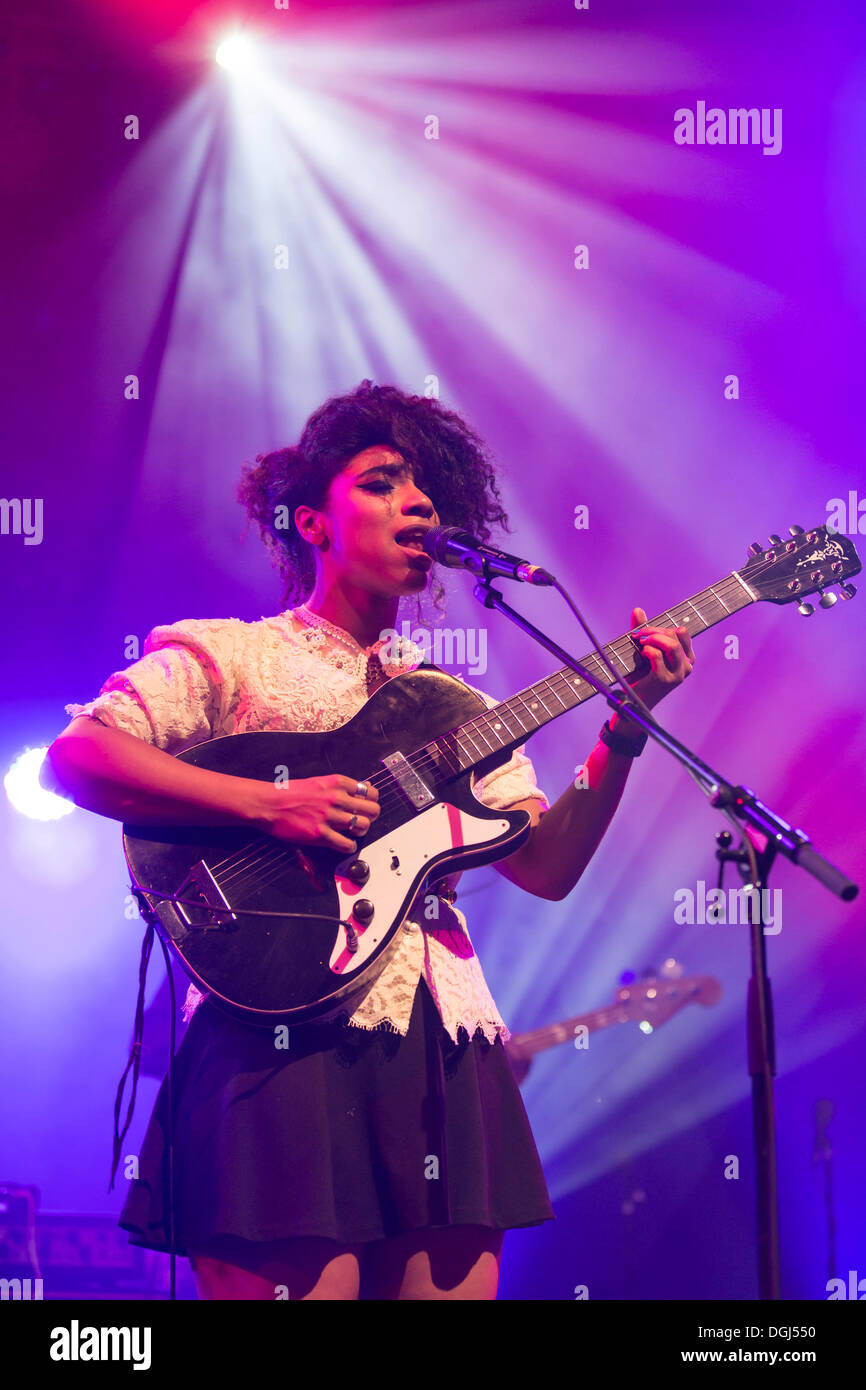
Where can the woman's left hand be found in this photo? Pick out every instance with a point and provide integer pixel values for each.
(669, 653)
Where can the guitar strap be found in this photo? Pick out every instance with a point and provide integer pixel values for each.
(134, 1064)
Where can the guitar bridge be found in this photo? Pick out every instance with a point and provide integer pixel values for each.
(200, 887)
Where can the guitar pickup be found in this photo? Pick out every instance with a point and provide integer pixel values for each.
(200, 887)
(413, 787)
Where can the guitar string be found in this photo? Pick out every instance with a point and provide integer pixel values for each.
(730, 584)
(571, 680)
(254, 856)
(251, 859)
(242, 911)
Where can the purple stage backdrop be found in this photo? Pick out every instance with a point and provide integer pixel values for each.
(562, 221)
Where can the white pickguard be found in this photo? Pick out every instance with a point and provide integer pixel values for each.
(416, 842)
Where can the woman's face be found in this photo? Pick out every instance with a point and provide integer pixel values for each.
(372, 501)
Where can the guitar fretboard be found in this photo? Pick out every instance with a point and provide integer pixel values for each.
(542, 1038)
(512, 721)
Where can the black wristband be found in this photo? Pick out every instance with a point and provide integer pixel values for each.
(629, 747)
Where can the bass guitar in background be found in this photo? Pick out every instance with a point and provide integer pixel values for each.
(649, 1004)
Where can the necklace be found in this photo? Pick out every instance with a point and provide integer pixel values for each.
(406, 650)
(312, 619)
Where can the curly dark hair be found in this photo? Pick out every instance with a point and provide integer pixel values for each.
(458, 472)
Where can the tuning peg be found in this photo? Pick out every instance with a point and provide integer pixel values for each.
(756, 548)
(847, 590)
(796, 530)
(805, 608)
(827, 600)
(775, 540)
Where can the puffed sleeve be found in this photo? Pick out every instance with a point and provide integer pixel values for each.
(514, 781)
(179, 692)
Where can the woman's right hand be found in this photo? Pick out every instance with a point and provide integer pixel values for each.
(316, 810)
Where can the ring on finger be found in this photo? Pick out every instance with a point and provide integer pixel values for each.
(361, 789)
(352, 822)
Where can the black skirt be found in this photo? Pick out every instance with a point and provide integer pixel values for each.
(349, 1134)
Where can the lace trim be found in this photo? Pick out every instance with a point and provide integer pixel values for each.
(394, 654)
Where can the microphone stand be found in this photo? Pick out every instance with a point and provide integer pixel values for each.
(765, 834)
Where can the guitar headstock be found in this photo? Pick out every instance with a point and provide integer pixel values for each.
(655, 1000)
(806, 564)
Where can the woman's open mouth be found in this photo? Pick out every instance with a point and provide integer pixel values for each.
(410, 539)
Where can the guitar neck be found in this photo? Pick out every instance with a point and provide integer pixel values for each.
(512, 721)
(554, 1033)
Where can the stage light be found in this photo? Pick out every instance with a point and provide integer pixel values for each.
(236, 53)
(26, 794)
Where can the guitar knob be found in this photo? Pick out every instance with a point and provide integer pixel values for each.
(358, 871)
(827, 600)
(756, 548)
(847, 590)
(775, 540)
(363, 910)
(796, 530)
(805, 609)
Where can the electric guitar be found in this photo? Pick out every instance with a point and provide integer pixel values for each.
(650, 1003)
(277, 932)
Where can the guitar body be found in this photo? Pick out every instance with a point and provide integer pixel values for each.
(304, 961)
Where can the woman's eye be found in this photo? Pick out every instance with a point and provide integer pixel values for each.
(376, 487)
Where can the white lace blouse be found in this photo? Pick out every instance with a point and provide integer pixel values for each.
(201, 679)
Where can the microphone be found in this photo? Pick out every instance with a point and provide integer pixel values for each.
(450, 545)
